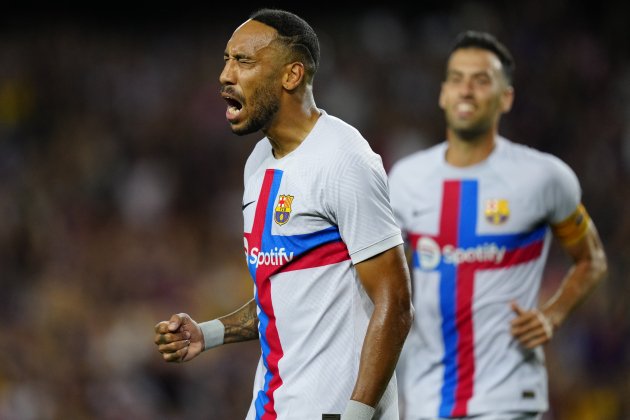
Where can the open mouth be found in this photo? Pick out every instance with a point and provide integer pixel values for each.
(234, 106)
(464, 109)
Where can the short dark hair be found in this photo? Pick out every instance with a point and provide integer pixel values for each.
(296, 34)
(487, 41)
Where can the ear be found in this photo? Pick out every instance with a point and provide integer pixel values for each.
(507, 99)
(442, 100)
(293, 75)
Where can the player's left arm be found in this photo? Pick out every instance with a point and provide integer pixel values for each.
(386, 280)
(578, 236)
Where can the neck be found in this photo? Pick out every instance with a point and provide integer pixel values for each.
(468, 152)
(292, 124)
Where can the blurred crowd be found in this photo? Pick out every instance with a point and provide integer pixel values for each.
(121, 183)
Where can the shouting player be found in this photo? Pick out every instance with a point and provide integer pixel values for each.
(332, 302)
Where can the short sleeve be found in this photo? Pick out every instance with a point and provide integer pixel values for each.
(358, 202)
(397, 195)
(563, 193)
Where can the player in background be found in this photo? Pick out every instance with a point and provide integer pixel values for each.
(478, 212)
(332, 300)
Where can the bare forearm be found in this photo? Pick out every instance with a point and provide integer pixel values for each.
(383, 342)
(242, 324)
(386, 280)
(575, 287)
(589, 269)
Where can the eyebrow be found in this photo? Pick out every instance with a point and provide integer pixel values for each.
(238, 55)
(475, 74)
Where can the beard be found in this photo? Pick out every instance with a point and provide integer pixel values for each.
(470, 130)
(264, 105)
(470, 133)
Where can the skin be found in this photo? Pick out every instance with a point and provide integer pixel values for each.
(267, 91)
(273, 90)
(387, 282)
(474, 96)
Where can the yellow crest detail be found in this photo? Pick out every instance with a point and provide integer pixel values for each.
(283, 209)
(497, 211)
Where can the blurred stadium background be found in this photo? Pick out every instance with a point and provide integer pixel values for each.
(120, 186)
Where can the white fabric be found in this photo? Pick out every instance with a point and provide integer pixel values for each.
(213, 333)
(468, 266)
(495, 416)
(356, 410)
(312, 308)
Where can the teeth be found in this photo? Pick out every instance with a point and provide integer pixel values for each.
(464, 107)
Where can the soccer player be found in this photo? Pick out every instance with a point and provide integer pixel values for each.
(332, 301)
(478, 212)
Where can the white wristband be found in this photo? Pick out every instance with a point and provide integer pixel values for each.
(356, 410)
(213, 333)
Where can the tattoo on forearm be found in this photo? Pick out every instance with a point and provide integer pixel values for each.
(245, 326)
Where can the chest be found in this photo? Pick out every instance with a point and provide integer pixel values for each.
(473, 206)
(285, 201)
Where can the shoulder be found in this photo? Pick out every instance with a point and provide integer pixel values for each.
(417, 163)
(341, 142)
(520, 155)
(339, 134)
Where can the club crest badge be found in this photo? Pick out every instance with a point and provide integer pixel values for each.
(283, 209)
(497, 211)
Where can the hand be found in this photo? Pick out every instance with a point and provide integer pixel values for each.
(179, 339)
(531, 328)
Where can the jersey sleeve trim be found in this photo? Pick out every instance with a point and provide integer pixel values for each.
(376, 248)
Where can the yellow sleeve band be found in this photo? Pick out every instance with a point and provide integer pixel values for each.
(573, 228)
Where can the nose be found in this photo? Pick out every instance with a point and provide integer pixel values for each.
(227, 76)
(466, 88)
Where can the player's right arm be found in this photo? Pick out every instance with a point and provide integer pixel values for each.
(241, 325)
(181, 338)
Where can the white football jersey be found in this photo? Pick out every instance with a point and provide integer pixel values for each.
(308, 218)
(480, 238)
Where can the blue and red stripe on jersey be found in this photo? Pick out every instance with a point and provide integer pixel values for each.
(458, 222)
(316, 249)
